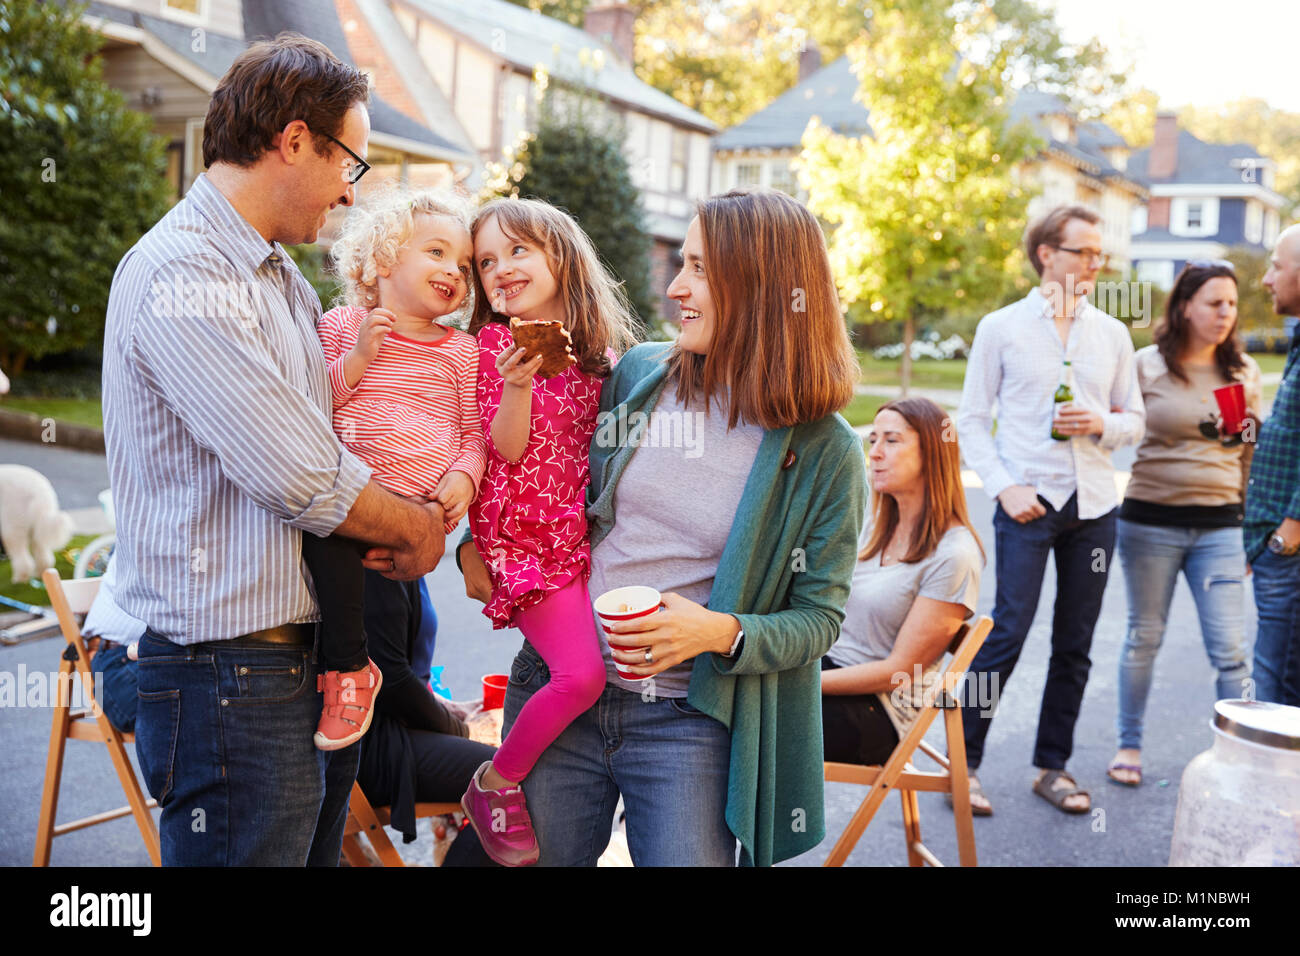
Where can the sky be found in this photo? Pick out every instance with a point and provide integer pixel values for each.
(1196, 52)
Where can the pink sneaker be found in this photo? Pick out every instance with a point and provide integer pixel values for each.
(349, 706)
(500, 818)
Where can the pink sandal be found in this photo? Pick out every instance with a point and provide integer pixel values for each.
(349, 706)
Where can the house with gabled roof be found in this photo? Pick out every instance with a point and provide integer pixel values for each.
(454, 86)
(167, 56)
(1206, 198)
(484, 59)
(1080, 161)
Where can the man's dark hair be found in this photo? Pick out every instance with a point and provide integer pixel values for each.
(271, 84)
(1050, 228)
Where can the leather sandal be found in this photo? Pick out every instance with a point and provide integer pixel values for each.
(975, 791)
(1131, 768)
(1056, 797)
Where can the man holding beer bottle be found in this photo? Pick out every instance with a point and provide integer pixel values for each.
(1054, 366)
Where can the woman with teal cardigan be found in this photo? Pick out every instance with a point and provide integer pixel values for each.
(721, 476)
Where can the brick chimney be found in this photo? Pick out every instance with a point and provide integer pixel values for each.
(614, 24)
(1164, 148)
(810, 60)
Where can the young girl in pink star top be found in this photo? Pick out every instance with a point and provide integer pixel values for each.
(529, 524)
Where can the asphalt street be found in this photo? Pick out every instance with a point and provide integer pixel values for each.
(1128, 827)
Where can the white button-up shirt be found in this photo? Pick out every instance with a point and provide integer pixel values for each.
(1015, 366)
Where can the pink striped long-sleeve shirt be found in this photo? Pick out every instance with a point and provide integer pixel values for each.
(414, 416)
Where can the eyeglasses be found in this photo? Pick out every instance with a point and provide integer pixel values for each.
(359, 168)
(1211, 264)
(1094, 255)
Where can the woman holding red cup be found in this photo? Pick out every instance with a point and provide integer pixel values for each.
(1182, 509)
(723, 481)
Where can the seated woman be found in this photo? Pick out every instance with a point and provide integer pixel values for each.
(418, 749)
(916, 581)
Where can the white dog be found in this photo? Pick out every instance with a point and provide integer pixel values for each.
(30, 521)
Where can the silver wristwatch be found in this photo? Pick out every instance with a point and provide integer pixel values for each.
(1277, 545)
(735, 645)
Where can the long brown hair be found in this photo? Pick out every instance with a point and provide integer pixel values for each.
(945, 499)
(1173, 329)
(596, 311)
(780, 347)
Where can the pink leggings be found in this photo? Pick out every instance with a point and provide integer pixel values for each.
(563, 631)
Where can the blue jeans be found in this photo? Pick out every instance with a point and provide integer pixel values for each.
(1083, 551)
(668, 760)
(1277, 641)
(224, 738)
(119, 695)
(1214, 563)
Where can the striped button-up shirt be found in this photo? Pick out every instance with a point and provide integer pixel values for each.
(217, 422)
(1015, 366)
(1273, 492)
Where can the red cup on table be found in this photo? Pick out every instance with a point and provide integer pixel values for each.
(1232, 406)
(494, 691)
(626, 604)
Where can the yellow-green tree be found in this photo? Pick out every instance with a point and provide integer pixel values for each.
(924, 212)
(729, 58)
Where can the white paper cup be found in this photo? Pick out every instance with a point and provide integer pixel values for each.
(626, 604)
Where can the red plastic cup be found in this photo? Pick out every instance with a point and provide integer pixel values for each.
(626, 604)
(494, 691)
(1232, 406)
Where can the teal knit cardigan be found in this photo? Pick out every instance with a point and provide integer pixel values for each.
(785, 574)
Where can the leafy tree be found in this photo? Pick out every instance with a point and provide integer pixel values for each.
(1133, 116)
(570, 11)
(1274, 132)
(729, 58)
(84, 178)
(925, 213)
(575, 161)
(1254, 303)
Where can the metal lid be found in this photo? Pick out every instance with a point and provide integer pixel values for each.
(1274, 725)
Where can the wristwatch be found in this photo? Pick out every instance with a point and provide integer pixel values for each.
(1277, 545)
(735, 645)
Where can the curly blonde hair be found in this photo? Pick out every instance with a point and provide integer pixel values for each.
(373, 236)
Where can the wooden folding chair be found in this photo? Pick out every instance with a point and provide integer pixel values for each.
(897, 773)
(69, 598)
(370, 821)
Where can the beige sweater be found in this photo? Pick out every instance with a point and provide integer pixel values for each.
(1176, 464)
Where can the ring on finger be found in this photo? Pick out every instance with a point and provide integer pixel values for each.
(649, 656)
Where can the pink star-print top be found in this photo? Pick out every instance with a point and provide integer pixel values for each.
(529, 521)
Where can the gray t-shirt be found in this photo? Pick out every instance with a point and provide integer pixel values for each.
(674, 506)
(881, 599)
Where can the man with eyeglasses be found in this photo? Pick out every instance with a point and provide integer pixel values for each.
(1272, 527)
(1054, 496)
(221, 454)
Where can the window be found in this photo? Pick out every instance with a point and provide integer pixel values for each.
(748, 174)
(1194, 216)
(192, 8)
(1159, 272)
(678, 168)
(1254, 222)
(783, 178)
(1139, 221)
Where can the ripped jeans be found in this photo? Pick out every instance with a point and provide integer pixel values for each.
(1214, 563)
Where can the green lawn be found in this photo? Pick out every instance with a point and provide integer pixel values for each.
(862, 410)
(78, 411)
(926, 373)
(63, 560)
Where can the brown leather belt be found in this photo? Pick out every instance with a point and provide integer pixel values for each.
(299, 635)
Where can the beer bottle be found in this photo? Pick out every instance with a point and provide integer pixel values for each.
(1064, 393)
